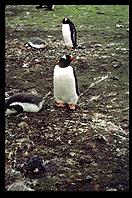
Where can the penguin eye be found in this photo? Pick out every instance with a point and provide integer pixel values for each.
(11, 108)
(69, 57)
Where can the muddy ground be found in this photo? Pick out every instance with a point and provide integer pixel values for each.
(86, 149)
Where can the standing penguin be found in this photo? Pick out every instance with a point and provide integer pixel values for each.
(65, 83)
(69, 34)
(23, 102)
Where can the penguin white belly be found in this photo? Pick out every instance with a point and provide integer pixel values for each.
(27, 107)
(67, 35)
(64, 85)
(36, 45)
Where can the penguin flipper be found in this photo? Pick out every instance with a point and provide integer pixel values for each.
(73, 34)
(77, 89)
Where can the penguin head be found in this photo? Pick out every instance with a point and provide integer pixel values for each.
(13, 109)
(65, 60)
(66, 21)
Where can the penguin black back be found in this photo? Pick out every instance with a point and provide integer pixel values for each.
(23, 97)
(23, 102)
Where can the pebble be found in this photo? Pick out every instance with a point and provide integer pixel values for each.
(115, 65)
(125, 126)
(115, 78)
(19, 186)
(119, 25)
(100, 138)
(34, 166)
(72, 154)
(25, 65)
(23, 124)
(111, 189)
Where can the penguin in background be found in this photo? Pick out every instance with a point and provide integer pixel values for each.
(65, 83)
(69, 34)
(50, 7)
(47, 7)
(23, 102)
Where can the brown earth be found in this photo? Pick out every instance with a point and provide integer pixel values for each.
(87, 149)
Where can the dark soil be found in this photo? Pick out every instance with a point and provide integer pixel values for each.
(86, 149)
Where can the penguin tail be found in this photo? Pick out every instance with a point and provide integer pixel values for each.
(78, 47)
(46, 95)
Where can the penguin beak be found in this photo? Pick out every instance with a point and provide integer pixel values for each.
(72, 58)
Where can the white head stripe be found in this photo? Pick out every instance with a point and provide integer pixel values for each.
(64, 56)
(65, 19)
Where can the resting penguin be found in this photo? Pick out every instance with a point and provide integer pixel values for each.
(23, 102)
(69, 34)
(50, 7)
(37, 43)
(47, 7)
(65, 83)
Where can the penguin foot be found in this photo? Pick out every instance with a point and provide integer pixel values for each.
(59, 104)
(69, 48)
(72, 106)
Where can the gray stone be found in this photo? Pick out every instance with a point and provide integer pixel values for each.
(19, 186)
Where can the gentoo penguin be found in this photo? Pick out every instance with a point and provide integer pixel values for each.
(69, 34)
(50, 7)
(37, 43)
(47, 7)
(65, 83)
(23, 102)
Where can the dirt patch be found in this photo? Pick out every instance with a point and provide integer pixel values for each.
(87, 149)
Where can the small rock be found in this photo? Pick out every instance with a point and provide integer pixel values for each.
(119, 25)
(110, 44)
(34, 167)
(111, 189)
(115, 78)
(23, 124)
(87, 179)
(100, 138)
(19, 186)
(115, 65)
(72, 154)
(125, 126)
(25, 65)
(98, 45)
(37, 61)
(33, 91)
(69, 141)
(84, 161)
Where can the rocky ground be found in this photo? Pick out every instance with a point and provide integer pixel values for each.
(86, 149)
